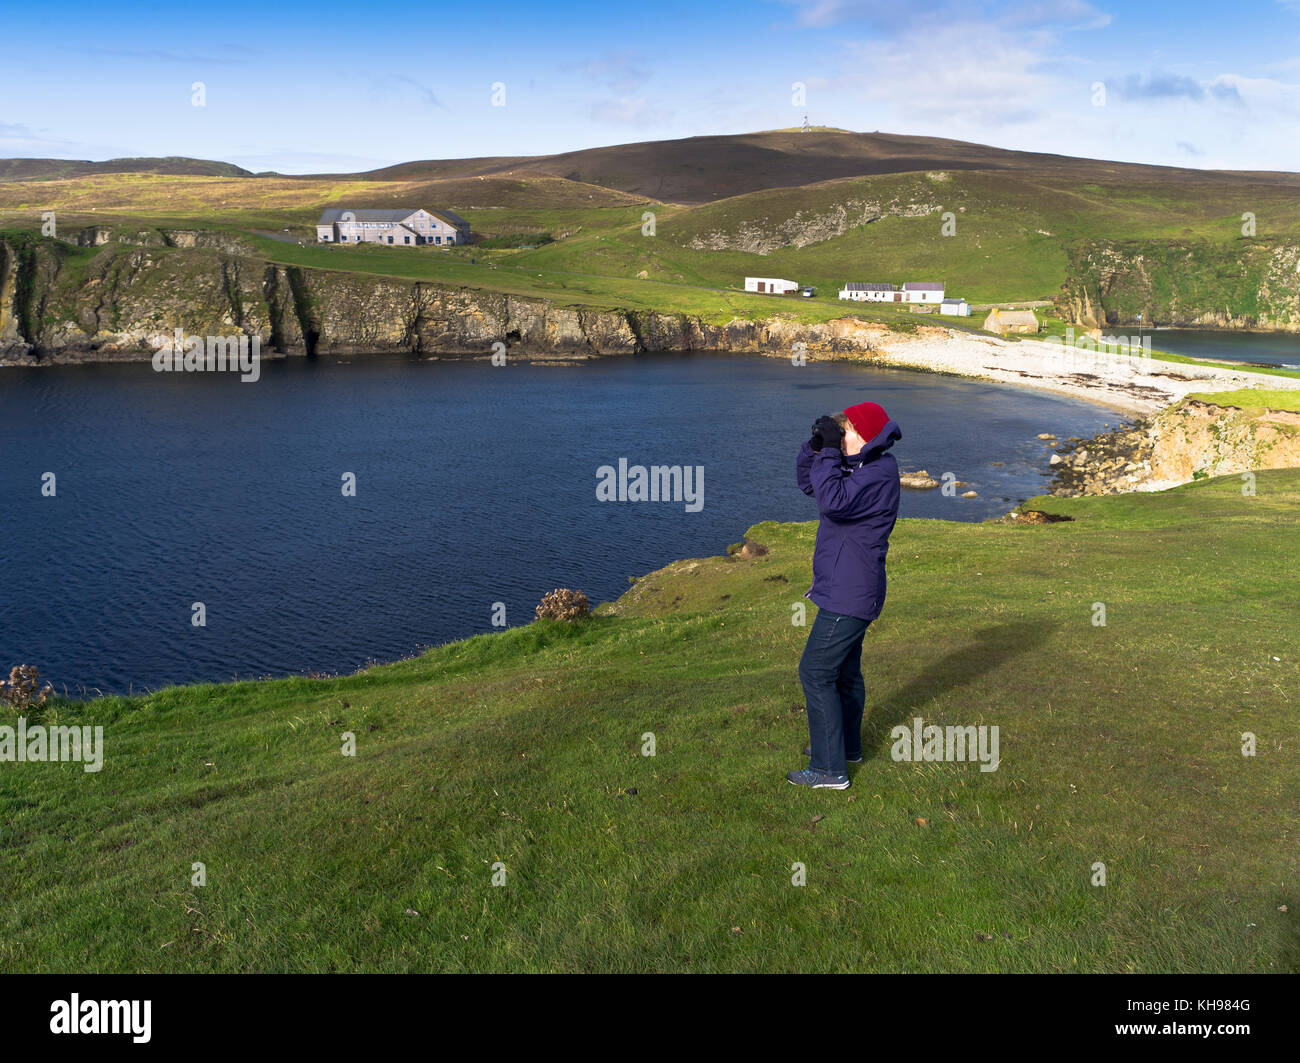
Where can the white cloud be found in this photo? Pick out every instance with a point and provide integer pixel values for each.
(958, 75)
(303, 162)
(1263, 94)
(1067, 14)
(1022, 78)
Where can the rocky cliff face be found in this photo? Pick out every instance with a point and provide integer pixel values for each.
(804, 228)
(125, 302)
(1188, 441)
(1249, 284)
(98, 235)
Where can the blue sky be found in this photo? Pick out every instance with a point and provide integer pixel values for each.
(331, 86)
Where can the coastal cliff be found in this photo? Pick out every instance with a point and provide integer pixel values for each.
(1191, 440)
(60, 305)
(1250, 284)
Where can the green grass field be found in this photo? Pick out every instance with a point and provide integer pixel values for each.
(1012, 236)
(1253, 398)
(522, 751)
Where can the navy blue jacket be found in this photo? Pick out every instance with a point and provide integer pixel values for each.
(858, 500)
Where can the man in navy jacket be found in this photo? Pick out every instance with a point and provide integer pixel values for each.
(846, 467)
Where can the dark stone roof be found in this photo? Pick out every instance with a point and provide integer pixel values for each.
(333, 214)
(454, 220)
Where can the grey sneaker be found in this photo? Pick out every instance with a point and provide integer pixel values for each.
(818, 780)
(852, 760)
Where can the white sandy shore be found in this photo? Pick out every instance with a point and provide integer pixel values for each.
(1134, 385)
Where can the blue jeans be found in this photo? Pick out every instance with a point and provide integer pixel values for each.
(834, 692)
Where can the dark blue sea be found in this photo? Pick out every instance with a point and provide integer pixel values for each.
(1262, 348)
(474, 485)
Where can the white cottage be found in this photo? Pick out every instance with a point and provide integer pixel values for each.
(922, 292)
(869, 293)
(770, 285)
(958, 307)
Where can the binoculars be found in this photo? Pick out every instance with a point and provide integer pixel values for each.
(826, 431)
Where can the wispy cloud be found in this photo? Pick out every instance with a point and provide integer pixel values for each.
(18, 140)
(621, 71)
(389, 86)
(1261, 95)
(629, 111)
(1162, 86)
(957, 74)
(300, 162)
(869, 12)
(892, 14)
(232, 55)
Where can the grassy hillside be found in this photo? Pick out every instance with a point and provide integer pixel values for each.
(824, 207)
(573, 283)
(287, 202)
(523, 749)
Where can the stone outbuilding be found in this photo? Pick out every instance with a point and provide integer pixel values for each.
(1003, 322)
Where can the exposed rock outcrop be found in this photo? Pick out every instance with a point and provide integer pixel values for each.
(920, 480)
(1188, 441)
(804, 228)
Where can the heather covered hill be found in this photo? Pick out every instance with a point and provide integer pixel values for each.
(705, 169)
(53, 169)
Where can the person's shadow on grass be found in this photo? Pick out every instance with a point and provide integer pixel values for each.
(989, 648)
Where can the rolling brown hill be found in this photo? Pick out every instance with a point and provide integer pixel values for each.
(704, 169)
(53, 169)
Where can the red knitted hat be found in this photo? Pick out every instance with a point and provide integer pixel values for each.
(867, 419)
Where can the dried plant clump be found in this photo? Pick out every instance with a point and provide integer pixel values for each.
(23, 689)
(563, 604)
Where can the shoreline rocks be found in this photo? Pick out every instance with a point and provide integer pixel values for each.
(1188, 441)
(918, 481)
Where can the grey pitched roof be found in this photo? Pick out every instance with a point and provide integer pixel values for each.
(922, 286)
(332, 214)
(854, 287)
(454, 220)
(954, 300)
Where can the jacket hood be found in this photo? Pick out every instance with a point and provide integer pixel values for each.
(881, 442)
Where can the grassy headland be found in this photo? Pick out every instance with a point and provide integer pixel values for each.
(1119, 744)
